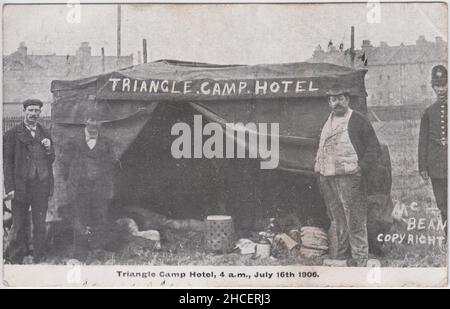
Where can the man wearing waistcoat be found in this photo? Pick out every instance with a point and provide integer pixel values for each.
(28, 155)
(433, 141)
(347, 150)
(87, 165)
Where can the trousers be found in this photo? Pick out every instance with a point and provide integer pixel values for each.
(37, 199)
(440, 194)
(345, 196)
(90, 219)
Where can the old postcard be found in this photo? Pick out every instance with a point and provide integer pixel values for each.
(225, 145)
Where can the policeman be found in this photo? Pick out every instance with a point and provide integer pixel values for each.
(433, 140)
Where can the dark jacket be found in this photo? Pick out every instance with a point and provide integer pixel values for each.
(364, 140)
(80, 164)
(433, 130)
(17, 153)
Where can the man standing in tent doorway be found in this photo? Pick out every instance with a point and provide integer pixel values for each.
(433, 141)
(87, 165)
(348, 148)
(28, 155)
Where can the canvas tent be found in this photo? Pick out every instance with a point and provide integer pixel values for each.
(135, 105)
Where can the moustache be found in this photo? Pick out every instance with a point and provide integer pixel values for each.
(338, 106)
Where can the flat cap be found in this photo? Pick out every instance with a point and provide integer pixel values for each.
(29, 102)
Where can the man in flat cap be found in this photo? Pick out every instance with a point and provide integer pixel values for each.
(28, 155)
(88, 164)
(433, 140)
(348, 148)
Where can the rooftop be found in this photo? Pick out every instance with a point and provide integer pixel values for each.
(27, 75)
(422, 51)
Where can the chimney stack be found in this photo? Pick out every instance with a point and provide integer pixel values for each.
(83, 55)
(366, 44)
(421, 40)
(22, 49)
(85, 50)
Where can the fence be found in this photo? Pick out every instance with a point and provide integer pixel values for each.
(10, 122)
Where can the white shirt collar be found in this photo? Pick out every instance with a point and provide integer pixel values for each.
(30, 127)
(89, 136)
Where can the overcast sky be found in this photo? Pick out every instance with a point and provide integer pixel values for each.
(256, 33)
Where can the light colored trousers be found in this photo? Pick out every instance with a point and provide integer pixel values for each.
(345, 198)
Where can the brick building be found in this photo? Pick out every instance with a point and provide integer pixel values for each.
(397, 75)
(29, 76)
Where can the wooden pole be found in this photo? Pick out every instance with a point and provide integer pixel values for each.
(352, 47)
(119, 21)
(144, 50)
(103, 59)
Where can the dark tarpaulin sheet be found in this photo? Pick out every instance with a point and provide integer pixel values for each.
(296, 152)
(118, 86)
(299, 120)
(75, 105)
(299, 113)
(123, 132)
(173, 81)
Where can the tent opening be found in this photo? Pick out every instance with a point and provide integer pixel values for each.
(151, 178)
